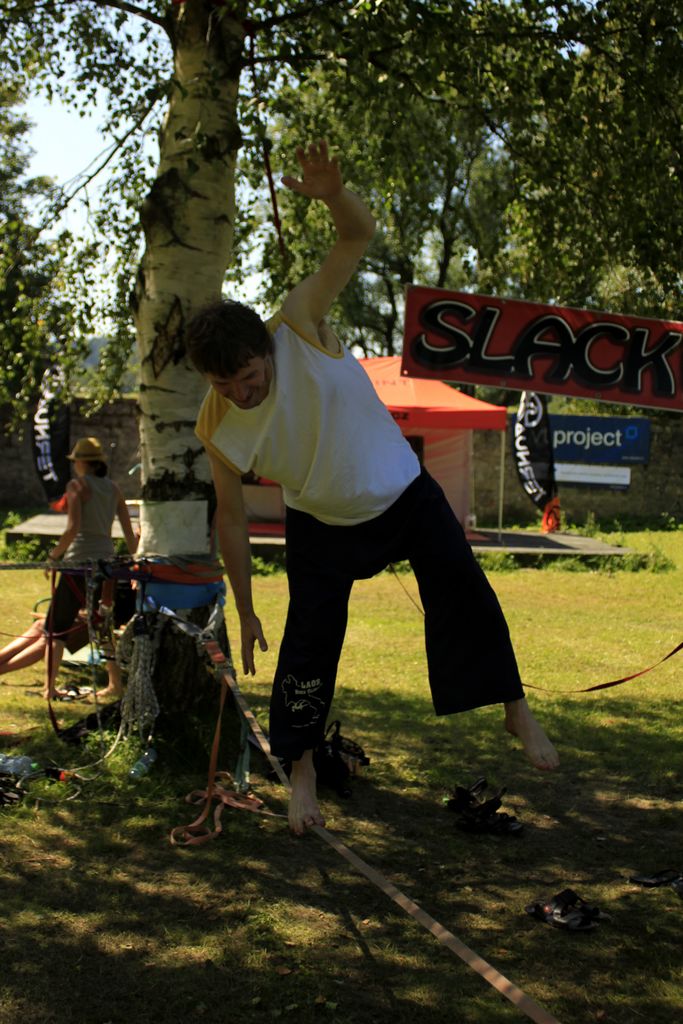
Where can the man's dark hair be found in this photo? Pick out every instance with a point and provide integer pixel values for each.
(223, 336)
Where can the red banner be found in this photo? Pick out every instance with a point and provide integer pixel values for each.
(526, 346)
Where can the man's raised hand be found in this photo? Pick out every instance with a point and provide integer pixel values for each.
(321, 176)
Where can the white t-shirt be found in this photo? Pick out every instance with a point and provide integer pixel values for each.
(322, 433)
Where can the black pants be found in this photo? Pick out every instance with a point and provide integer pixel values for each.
(470, 658)
(69, 597)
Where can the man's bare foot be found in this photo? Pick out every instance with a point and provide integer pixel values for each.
(521, 723)
(303, 804)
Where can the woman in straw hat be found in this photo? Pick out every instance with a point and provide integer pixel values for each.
(92, 502)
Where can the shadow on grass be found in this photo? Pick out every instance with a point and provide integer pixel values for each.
(104, 921)
(131, 929)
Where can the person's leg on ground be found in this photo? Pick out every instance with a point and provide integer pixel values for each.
(114, 687)
(304, 685)
(28, 655)
(121, 604)
(19, 645)
(53, 659)
(304, 680)
(68, 598)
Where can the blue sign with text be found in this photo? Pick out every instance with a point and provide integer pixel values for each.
(607, 439)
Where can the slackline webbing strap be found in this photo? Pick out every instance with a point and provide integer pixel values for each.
(533, 1010)
(614, 682)
(197, 832)
(157, 569)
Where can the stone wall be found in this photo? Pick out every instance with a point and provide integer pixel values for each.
(656, 488)
(116, 427)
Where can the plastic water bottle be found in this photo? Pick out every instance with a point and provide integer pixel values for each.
(143, 764)
(19, 765)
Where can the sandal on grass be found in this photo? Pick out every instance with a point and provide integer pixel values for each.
(567, 910)
(677, 886)
(665, 877)
(482, 816)
(10, 792)
(73, 692)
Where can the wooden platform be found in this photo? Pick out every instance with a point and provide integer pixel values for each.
(271, 535)
(53, 524)
(519, 543)
(527, 542)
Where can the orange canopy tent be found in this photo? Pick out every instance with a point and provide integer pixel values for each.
(414, 402)
(438, 422)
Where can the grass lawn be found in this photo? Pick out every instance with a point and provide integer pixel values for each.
(104, 922)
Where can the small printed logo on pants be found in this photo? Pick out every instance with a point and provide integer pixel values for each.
(301, 701)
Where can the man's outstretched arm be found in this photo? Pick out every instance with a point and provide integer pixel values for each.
(321, 179)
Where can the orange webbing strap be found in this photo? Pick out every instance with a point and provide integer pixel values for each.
(197, 832)
(533, 1010)
(615, 682)
(193, 572)
(50, 653)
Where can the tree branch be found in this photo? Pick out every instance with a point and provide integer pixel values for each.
(292, 59)
(281, 19)
(123, 5)
(402, 76)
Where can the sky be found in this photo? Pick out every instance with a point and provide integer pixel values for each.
(54, 125)
(63, 145)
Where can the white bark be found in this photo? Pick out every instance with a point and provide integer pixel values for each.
(188, 220)
(175, 527)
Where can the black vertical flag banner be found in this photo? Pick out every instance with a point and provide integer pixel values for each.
(51, 438)
(534, 457)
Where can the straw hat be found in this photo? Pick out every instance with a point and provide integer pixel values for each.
(87, 449)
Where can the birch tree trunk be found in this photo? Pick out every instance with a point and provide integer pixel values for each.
(188, 219)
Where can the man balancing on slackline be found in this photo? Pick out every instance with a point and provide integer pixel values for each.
(290, 403)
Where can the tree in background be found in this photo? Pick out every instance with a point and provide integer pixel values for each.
(38, 317)
(598, 148)
(438, 184)
(532, 158)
